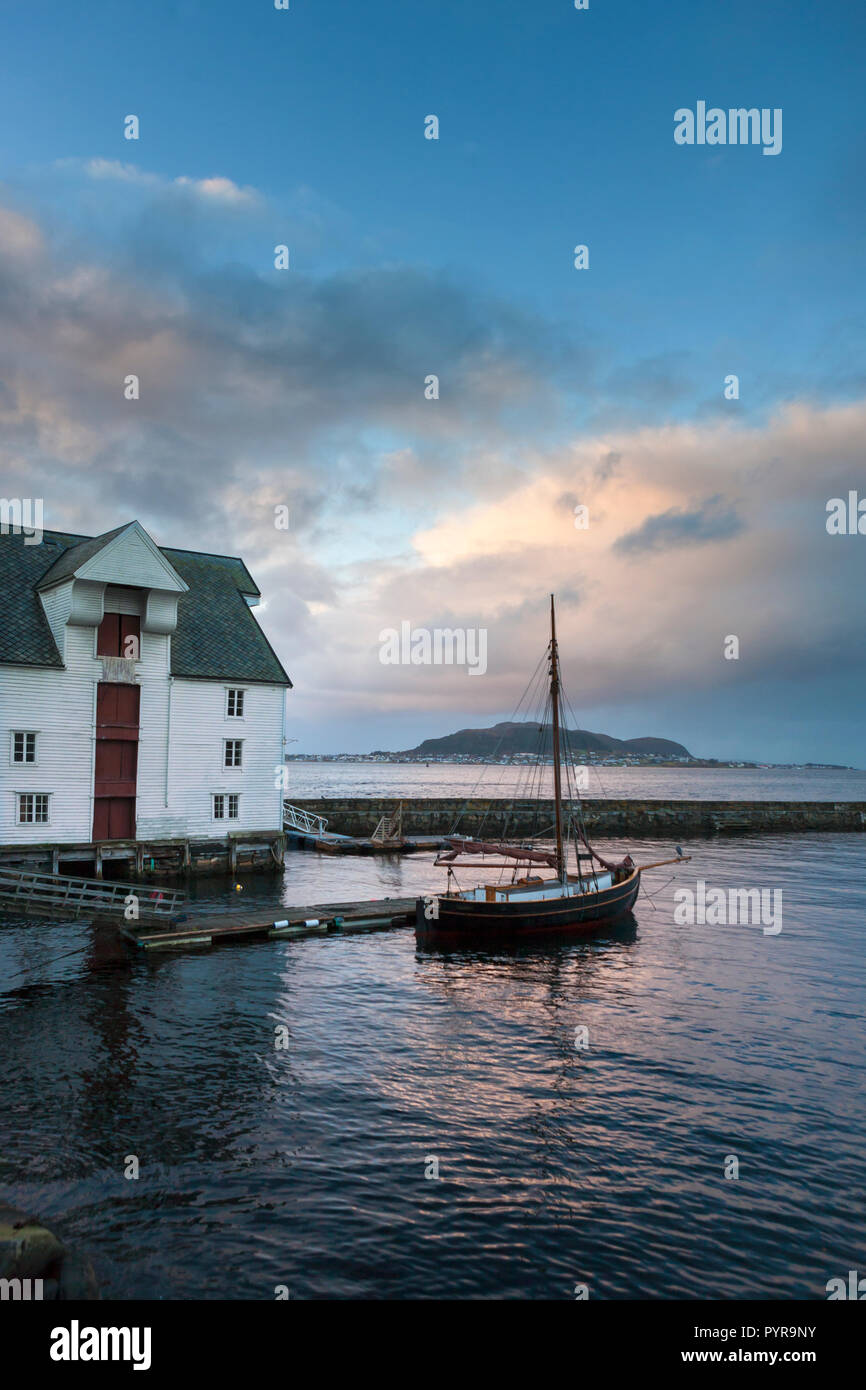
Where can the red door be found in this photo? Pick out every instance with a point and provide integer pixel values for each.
(116, 770)
(119, 634)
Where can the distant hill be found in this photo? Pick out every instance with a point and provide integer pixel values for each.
(504, 739)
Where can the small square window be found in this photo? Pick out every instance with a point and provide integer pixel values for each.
(225, 806)
(23, 747)
(235, 704)
(233, 752)
(33, 808)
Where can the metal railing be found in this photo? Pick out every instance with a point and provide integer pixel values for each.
(74, 897)
(296, 818)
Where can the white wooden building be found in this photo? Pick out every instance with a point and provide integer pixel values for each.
(139, 698)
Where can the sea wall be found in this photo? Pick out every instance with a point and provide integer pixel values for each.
(492, 817)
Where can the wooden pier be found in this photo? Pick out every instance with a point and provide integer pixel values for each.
(232, 853)
(320, 919)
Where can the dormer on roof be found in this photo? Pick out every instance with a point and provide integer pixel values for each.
(125, 556)
(202, 601)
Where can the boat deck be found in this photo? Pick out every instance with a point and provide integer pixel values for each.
(537, 890)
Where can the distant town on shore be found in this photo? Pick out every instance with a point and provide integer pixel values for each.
(524, 743)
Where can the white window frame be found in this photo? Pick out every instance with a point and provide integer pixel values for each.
(236, 690)
(225, 797)
(233, 767)
(18, 799)
(13, 761)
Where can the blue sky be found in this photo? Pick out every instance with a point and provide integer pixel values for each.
(554, 123)
(455, 256)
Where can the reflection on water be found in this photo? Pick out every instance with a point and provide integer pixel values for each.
(624, 930)
(305, 1165)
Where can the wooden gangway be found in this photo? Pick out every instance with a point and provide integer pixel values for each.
(296, 818)
(306, 830)
(55, 895)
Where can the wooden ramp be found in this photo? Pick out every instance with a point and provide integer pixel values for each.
(56, 896)
(381, 914)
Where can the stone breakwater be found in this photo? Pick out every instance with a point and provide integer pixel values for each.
(492, 817)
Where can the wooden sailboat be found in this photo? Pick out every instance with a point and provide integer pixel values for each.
(598, 893)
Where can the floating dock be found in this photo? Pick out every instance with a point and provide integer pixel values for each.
(320, 919)
(328, 843)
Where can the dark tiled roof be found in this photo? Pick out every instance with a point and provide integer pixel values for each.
(25, 637)
(217, 636)
(78, 554)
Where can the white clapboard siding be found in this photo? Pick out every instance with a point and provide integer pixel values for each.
(59, 706)
(57, 603)
(199, 726)
(122, 600)
(180, 760)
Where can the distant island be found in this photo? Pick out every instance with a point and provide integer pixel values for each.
(532, 740)
(525, 743)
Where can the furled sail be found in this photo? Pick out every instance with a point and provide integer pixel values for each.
(627, 863)
(533, 856)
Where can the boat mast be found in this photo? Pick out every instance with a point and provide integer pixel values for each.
(557, 772)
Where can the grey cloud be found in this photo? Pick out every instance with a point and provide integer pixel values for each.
(608, 467)
(713, 521)
(281, 375)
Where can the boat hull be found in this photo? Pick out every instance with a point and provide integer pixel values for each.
(461, 918)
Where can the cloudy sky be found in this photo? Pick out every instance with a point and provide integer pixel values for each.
(601, 388)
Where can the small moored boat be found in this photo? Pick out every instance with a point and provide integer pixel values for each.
(596, 894)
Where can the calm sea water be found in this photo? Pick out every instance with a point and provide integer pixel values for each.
(306, 1166)
(664, 783)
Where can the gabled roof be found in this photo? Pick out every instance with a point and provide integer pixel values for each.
(99, 559)
(217, 636)
(68, 561)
